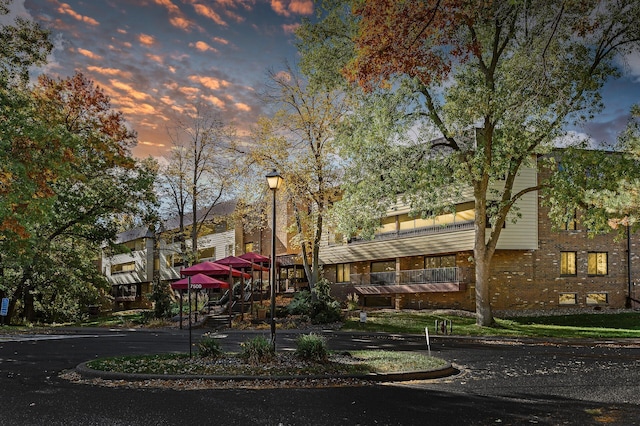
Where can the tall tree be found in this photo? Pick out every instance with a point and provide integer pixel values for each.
(496, 80)
(197, 176)
(25, 170)
(49, 268)
(298, 141)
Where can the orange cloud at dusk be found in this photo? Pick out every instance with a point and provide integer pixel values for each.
(64, 8)
(219, 103)
(209, 82)
(295, 7)
(243, 107)
(88, 54)
(203, 46)
(207, 12)
(146, 40)
(110, 71)
(128, 90)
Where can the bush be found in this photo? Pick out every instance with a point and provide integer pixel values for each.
(312, 347)
(209, 347)
(257, 350)
(319, 306)
(301, 303)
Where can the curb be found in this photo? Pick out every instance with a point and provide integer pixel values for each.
(446, 371)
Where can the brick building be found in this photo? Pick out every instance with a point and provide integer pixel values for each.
(417, 263)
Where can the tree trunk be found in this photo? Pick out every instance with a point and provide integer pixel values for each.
(482, 256)
(484, 316)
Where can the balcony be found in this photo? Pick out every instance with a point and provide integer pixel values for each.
(411, 281)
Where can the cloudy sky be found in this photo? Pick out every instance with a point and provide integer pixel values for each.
(157, 58)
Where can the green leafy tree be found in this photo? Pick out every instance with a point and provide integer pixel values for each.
(49, 268)
(496, 82)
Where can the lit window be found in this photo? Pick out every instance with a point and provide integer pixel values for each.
(597, 263)
(433, 262)
(248, 247)
(343, 273)
(207, 253)
(568, 263)
(597, 298)
(568, 299)
(123, 267)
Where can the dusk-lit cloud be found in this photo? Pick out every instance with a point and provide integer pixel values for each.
(146, 39)
(67, 10)
(209, 82)
(88, 54)
(203, 46)
(157, 59)
(207, 12)
(295, 7)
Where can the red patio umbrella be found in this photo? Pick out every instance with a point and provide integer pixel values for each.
(213, 270)
(199, 281)
(255, 258)
(239, 263)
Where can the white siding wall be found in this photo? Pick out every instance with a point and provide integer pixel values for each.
(523, 235)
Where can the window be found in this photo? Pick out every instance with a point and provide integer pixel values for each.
(597, 263)
(384, 266)
(568, 263)
(176, 260)
(387, 224)
(597, 298)
(135, 245)
(343, 273)
(568, 299)
(207, 253)
(432, 262)
(123, 267)
(228, 250)
(248, 247)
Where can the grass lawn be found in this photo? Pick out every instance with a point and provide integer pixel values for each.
(618, 325)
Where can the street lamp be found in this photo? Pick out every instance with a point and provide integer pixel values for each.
(274, 180)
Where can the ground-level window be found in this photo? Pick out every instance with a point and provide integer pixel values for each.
(568, 299)
(597, 263)
(568, 263)
(248, 247)
(432, 262)
(125, 292)
(343, 272)
(597, 298)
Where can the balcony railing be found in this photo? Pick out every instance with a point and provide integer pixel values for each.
(417, 276)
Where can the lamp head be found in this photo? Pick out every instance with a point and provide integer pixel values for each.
(274, 180)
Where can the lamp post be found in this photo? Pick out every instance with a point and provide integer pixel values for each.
(274, 180)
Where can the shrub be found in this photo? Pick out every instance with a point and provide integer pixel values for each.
(300, 304)
(209, 347)
(312, 347)
(257, 350)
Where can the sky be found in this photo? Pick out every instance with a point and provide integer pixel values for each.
(157, 58)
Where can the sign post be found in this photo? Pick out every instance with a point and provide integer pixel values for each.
(4, 308)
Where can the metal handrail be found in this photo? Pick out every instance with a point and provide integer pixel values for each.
(414, 276)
